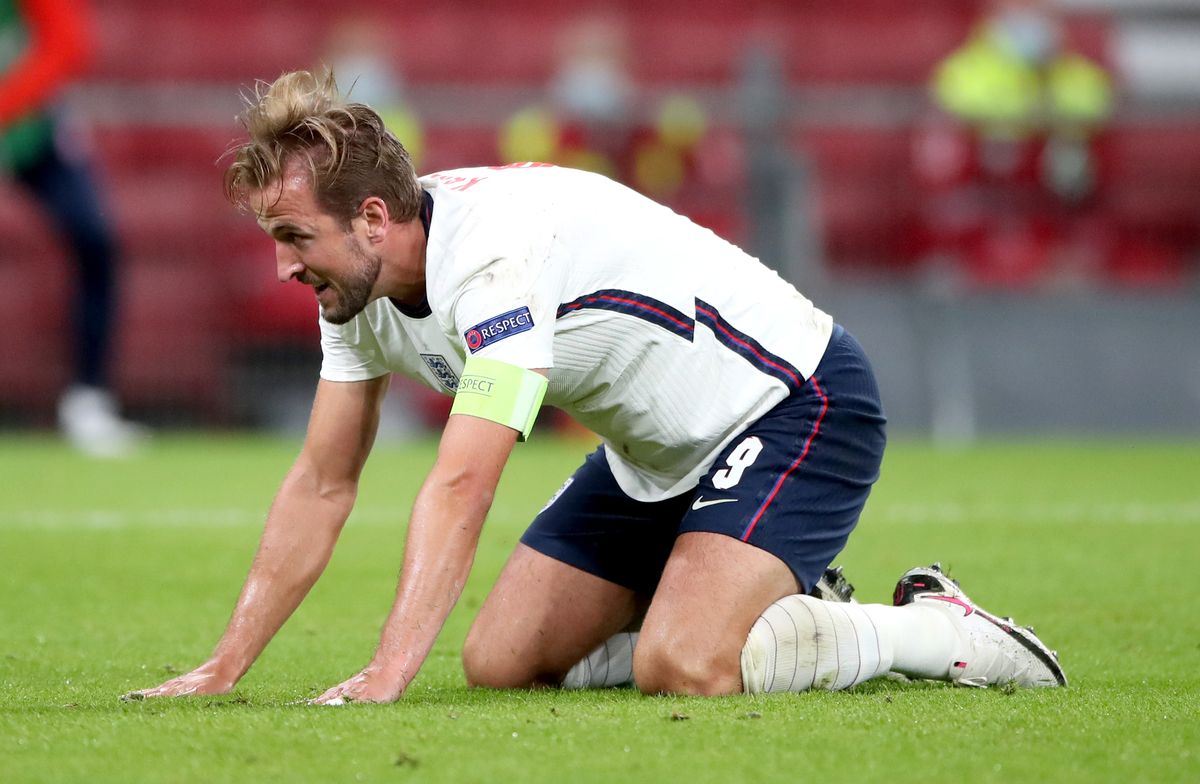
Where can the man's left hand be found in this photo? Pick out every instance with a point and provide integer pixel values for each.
(369, 685)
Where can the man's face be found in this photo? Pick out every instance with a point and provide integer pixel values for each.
(315, 249)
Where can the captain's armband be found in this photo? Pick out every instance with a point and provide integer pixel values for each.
(500, 392)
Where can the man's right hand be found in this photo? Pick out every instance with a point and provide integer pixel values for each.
(204, 680)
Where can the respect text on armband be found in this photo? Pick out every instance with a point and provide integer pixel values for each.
(495, 329)
(479, 385)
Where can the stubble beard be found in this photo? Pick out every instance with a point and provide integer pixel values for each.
(354, 290)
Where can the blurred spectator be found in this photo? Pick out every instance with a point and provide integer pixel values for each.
(591, 121)
(1014, 80)
(44, 43)
(361, 52)
(1020, 153)
(361, 55)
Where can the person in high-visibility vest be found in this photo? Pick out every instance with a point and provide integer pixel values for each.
(1014, 82)
(589, 120)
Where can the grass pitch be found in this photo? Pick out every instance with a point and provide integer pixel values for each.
(113, 576)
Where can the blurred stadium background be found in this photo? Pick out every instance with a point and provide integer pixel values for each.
(1008, 274)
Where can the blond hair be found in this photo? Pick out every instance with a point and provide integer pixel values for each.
(349, 153)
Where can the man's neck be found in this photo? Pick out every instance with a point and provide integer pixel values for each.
(402, 276)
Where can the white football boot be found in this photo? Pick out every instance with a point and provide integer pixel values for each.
(995, 650)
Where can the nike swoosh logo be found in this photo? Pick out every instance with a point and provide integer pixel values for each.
(953, 600)
(700, 503)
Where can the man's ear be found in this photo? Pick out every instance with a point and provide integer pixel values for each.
(374, 211)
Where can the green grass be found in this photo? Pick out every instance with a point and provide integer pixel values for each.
(115, 575)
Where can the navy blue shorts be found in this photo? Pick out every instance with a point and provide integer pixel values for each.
(793, 483)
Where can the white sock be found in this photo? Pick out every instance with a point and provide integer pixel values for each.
(924, 638)
(803, 643)
(611, 664)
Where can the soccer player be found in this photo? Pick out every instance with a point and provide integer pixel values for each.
(741, 432)
(43, 45)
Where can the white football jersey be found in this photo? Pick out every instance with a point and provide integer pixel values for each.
(658, 335)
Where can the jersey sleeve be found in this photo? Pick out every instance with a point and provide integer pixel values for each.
(350, 351)
(60, 45)
(503, 297)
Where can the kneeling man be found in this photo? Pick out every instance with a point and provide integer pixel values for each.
(742, 431)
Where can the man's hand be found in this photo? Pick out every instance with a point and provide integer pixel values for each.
(204, 680)
(370, 685)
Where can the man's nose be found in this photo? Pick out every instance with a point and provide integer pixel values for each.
(287, 263)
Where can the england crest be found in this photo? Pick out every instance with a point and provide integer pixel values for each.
(442, 370)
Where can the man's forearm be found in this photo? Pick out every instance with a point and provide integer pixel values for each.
(442, 535)
(301, 529)
(440, 549)
(298, 539)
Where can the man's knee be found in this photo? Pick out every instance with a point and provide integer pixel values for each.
(488, 667)
(484, 668)
(662, 668)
